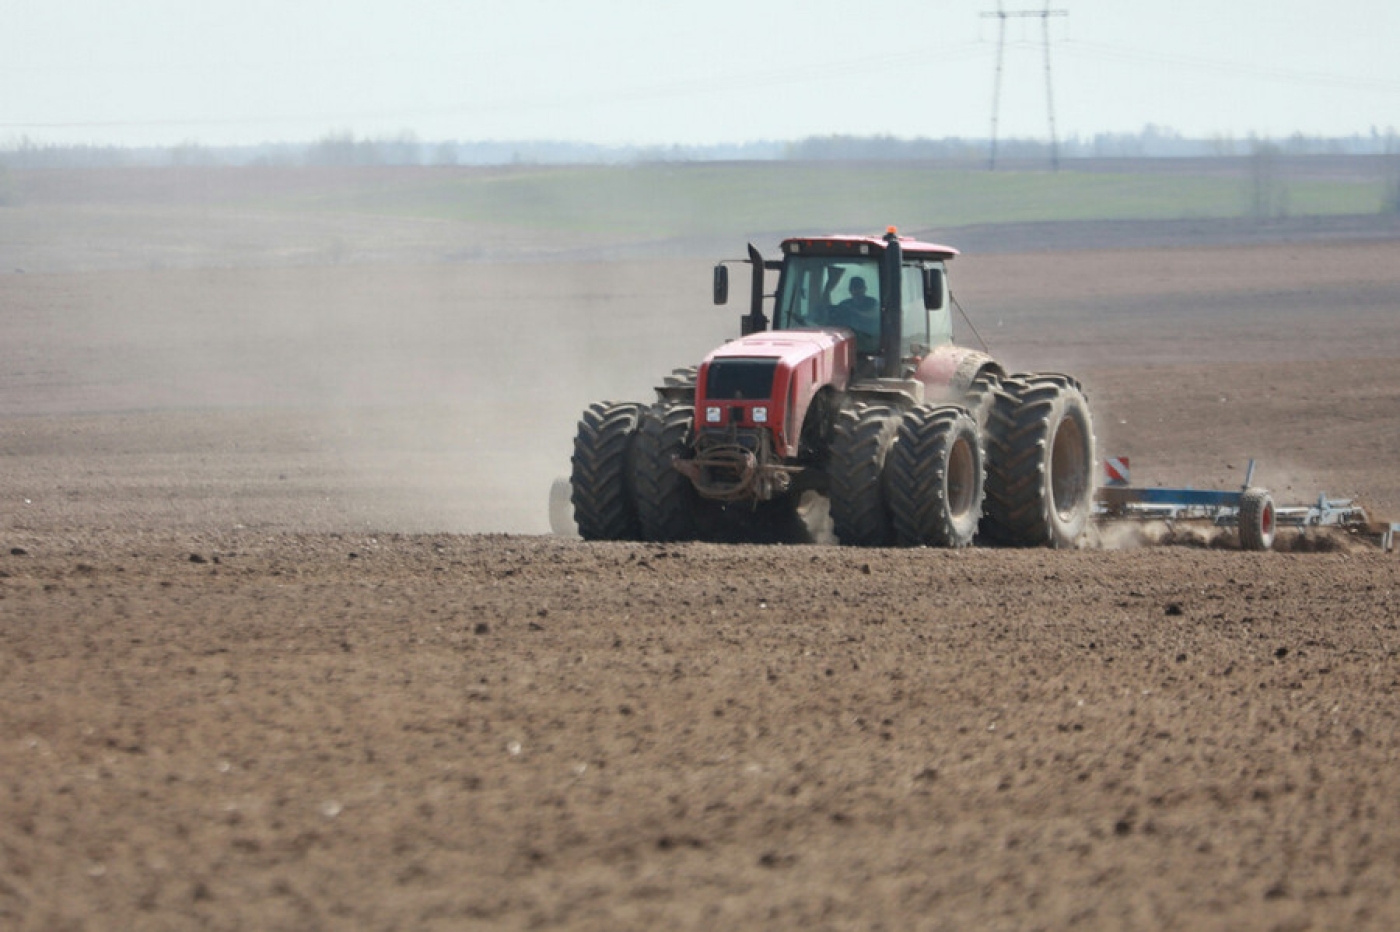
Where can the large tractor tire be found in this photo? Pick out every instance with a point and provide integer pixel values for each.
(1256, 520)
(667, 504)
(981, 398)
(860, 442)
(601, 479)
(1040, 464)
(934, 478)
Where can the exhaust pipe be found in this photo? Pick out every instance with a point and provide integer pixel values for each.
(891, 307)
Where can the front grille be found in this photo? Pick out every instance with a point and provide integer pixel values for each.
(746, 437)
(741, 379)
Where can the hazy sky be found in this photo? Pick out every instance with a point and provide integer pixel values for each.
(648, 72)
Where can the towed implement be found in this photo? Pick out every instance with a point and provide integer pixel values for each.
(845, 386)
(1249, 509)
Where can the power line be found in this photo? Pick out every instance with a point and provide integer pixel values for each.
(1002, 15)
(839, 70)
(1129, 55)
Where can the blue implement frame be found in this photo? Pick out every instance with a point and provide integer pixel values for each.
(1222, 507)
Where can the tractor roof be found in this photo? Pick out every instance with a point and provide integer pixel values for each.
(862, 245)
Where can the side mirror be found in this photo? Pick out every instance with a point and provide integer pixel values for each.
(933, 289)
(721, 284)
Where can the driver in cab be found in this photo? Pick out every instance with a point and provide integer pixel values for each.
(860, 312)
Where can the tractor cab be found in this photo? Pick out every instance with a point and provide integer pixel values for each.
(891, 292)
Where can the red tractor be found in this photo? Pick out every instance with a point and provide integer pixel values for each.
(851, 390)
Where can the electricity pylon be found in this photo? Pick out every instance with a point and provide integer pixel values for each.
(1002, 15)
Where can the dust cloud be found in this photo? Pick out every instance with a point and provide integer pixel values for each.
(1133, 535)
(432, 398)
(399, 373)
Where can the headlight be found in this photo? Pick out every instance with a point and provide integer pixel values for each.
(713, 414)
(760, 415)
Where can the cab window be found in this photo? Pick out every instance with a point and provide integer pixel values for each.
(823, 291)
(915, 315)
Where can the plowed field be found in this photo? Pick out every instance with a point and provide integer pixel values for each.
(283, 644)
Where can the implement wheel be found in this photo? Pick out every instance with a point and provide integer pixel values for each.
(1256, 520)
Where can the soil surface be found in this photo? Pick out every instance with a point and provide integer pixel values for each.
(284, 644)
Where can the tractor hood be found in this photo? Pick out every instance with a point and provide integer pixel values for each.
(828, 353)
(768, 380)
(790, 347)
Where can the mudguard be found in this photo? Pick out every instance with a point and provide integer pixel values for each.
(949, 371)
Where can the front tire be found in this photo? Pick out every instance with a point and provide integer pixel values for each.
(860, 516)
(1040, 463)
(934, 478)
(667, 503)
(601, 483)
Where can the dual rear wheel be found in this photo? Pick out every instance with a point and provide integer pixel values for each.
(913, 478)
(935, 476)
(1040, 463)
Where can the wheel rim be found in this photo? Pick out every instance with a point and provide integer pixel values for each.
(1068, 468)
(962, 478)
(1266, 521)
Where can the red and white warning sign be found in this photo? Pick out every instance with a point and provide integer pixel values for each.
(1115, 470)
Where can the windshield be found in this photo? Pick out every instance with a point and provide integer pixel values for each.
(829, 291)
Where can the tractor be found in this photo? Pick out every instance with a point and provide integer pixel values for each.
(851, 390)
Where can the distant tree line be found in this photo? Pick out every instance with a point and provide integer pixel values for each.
(346, 149)
(1150, 142)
